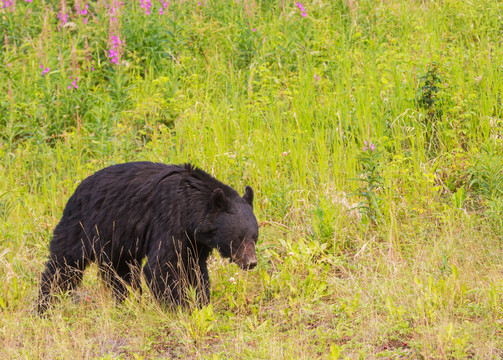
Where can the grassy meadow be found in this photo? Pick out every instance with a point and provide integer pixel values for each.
(371, 132)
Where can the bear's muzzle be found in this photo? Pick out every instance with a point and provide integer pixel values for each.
(245, 257)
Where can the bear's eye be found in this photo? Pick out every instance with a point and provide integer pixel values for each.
(210, 232)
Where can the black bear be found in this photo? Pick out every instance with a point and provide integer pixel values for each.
(174, 216)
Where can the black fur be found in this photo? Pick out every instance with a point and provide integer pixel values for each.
(172, 215)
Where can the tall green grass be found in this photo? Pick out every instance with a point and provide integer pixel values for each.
(257, 94)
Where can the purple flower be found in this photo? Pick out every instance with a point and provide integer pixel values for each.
(82, 11)
(368, 146)
(303, 11)
(114, 8)
(113, 53)
(116, 44)
(74, 83)
(114, 56)
(63, 18)
(45, 70)
(8, 4)
(62, 15)
(146, 4)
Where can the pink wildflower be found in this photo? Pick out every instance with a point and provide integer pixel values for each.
(45, 70)
(303, 11)
(73, 83)
(147, 5)
(6, 4)
(116, 44)
(63, 15)
(368, 146)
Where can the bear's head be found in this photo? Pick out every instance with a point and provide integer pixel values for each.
(231, 227)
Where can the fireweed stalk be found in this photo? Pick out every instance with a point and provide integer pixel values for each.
(303, 11)
(88, 64)
(63, 14)
(73, 83)
(115, 43)
(164, 6)
(147, 6)
(82, 10)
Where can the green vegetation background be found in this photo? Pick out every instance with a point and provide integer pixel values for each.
(392, 252)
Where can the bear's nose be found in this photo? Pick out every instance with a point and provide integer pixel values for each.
(252, 264)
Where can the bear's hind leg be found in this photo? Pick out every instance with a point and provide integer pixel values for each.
(119, 279)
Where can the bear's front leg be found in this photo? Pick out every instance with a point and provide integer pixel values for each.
(203, 288)
(164, 283)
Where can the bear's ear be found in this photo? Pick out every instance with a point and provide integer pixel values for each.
(218, 201)
(248, 196)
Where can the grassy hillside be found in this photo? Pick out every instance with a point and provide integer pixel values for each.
(371, 131)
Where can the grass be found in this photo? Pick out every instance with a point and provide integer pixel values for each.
(257, 94)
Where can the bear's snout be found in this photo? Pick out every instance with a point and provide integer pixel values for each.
(252, 264)
(245, 257)
(248, 263)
